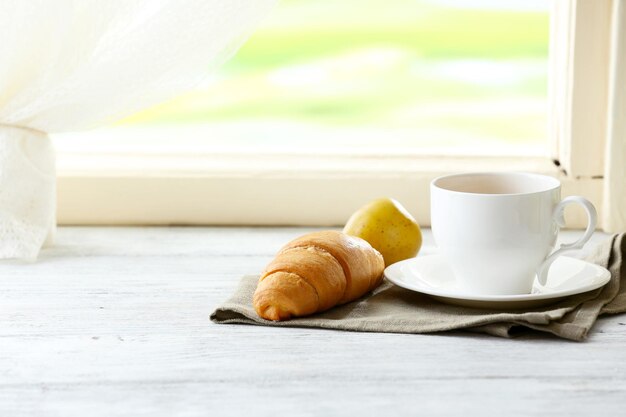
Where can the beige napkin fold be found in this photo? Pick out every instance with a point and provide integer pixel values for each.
(391, 309)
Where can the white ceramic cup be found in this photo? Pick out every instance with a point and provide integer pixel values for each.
(496, 230)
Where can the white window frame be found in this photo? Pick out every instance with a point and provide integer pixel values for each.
(587, 94)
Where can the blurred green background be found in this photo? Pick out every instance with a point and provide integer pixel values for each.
(370, 74)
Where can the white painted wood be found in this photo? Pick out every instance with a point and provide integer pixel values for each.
(615, 170)
(259, 190)
(238, 190)
(559, 76)
(578, 89)
(114, 322)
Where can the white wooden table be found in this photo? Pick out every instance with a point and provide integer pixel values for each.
(114, 321)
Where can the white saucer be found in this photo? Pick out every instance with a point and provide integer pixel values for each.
(431, 275)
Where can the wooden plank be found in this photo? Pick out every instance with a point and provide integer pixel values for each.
(114, 321)
(578, 89)
(316, 198)
(615, 172)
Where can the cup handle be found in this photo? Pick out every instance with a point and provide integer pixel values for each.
(542, 271)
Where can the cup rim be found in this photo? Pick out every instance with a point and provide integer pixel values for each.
(552, 183)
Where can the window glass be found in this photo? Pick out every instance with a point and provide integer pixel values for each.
(369, 76)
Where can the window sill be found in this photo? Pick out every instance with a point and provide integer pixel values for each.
(266, 189)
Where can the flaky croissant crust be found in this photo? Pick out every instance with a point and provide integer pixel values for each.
(316, 272)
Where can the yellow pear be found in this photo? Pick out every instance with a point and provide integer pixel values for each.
(388, 227)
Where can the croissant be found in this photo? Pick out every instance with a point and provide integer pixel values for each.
(316, 272)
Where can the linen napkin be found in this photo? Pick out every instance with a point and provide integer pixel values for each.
(391, 309)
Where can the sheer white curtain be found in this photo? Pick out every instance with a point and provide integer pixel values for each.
(69, 65)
